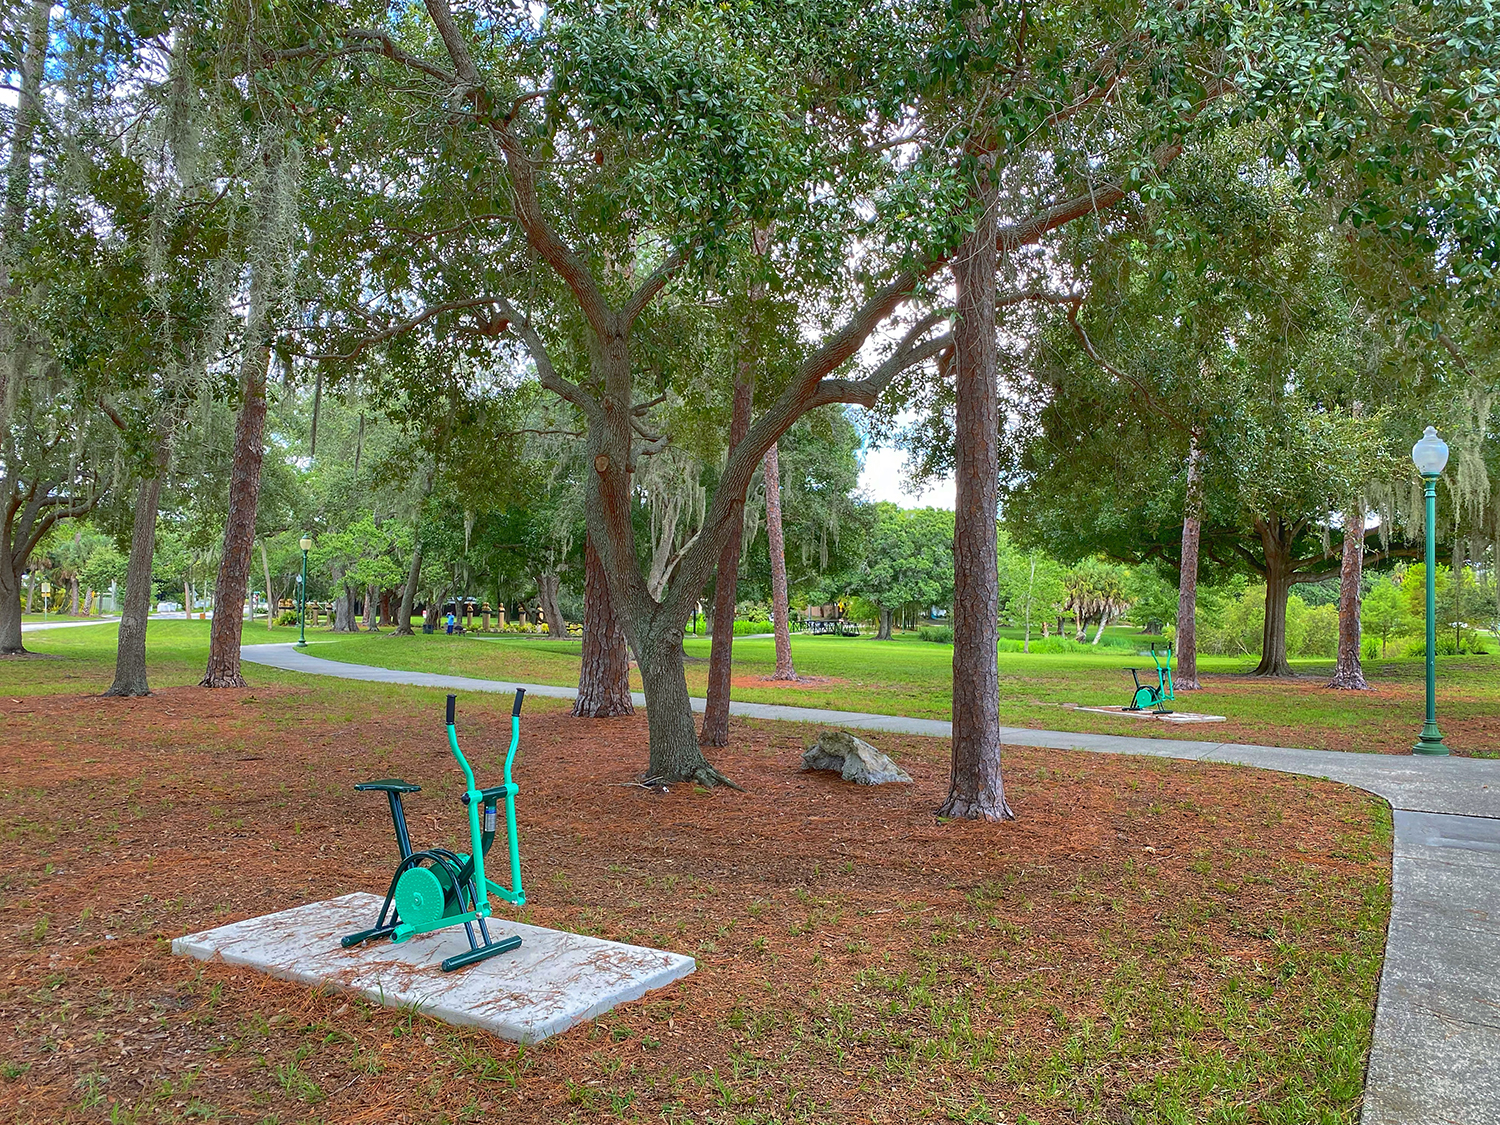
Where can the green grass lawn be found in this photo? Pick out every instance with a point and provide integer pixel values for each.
(908, 676)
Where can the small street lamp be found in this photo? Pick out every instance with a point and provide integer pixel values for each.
(46, 588)
(306, 544)
(1430, 455)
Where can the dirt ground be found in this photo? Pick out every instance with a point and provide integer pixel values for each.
(1149, 941)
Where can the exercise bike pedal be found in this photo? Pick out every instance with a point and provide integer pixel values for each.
(504, 945)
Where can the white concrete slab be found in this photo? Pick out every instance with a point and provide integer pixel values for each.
(1166, 717)
(554, 981)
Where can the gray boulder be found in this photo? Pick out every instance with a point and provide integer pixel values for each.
(853, 758)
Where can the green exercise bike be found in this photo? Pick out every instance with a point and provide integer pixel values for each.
(436, 888)
(1153, 696)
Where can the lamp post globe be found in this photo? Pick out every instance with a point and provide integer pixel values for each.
(1430, 456)
(306, 544)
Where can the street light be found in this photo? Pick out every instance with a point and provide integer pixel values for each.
(306, 544)
(1430, 455)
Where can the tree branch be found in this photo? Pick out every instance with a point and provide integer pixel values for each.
(651, 287)
(407, 325)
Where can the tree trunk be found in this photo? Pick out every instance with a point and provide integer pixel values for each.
(1186, 676)
(885, 624)
(433, 615)
(409, 593)
(372, 620)
(130, 652)
(675, 753)
(272, 606)
(721, 650)
(1030, 597)
(776, 542)
(343, 606)
(249, 449)
(1279, 583)
(73, 595)
(385, 607)
(31, 65)
(976, 791)
(10, 609)
(30, 589)
(604, 675)
(1349, 673)
(546, 594)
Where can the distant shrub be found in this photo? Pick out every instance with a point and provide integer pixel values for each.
(287, 617)
(937, 634)
(1068, 644)
(757, 625)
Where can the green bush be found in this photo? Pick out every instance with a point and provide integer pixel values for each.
(1068, 644)
(744, 628)
(287, 617)
(937, 634)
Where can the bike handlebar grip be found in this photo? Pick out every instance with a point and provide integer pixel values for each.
(515, 711)
(452, 701)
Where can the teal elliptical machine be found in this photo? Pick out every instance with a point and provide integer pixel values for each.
(434, 889)
(1153, 696)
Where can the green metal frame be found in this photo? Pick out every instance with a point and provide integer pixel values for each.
(1430, 741)
(460, 880)
(1153, 695)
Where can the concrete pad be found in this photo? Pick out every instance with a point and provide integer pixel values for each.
(1166, 717)
(554, 981)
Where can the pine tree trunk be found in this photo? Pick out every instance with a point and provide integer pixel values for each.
(721, 650)
(781, 612)
(976, 791)
(31, 65)
(1348, 672)
(1186, 676)
(73, 596)
(409, 593)
(249, 450)
(1273, 661)
(130, 652)
(604, 675)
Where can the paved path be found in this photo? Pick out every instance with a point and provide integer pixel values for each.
(1435, 1058)
(38, 626)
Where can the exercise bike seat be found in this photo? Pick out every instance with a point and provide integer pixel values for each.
(388, 785)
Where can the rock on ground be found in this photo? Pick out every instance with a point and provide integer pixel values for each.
(854, 759)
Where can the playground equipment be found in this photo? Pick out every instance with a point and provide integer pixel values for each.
(434, 889)
(1153, 695)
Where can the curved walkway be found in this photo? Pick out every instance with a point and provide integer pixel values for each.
(1435, 1057)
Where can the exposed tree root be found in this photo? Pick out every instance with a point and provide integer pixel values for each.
(961, 808)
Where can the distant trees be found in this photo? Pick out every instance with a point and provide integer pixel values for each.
(908, 561)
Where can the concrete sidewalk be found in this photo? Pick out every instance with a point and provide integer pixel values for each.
(38, 626)
(1435, 1057)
